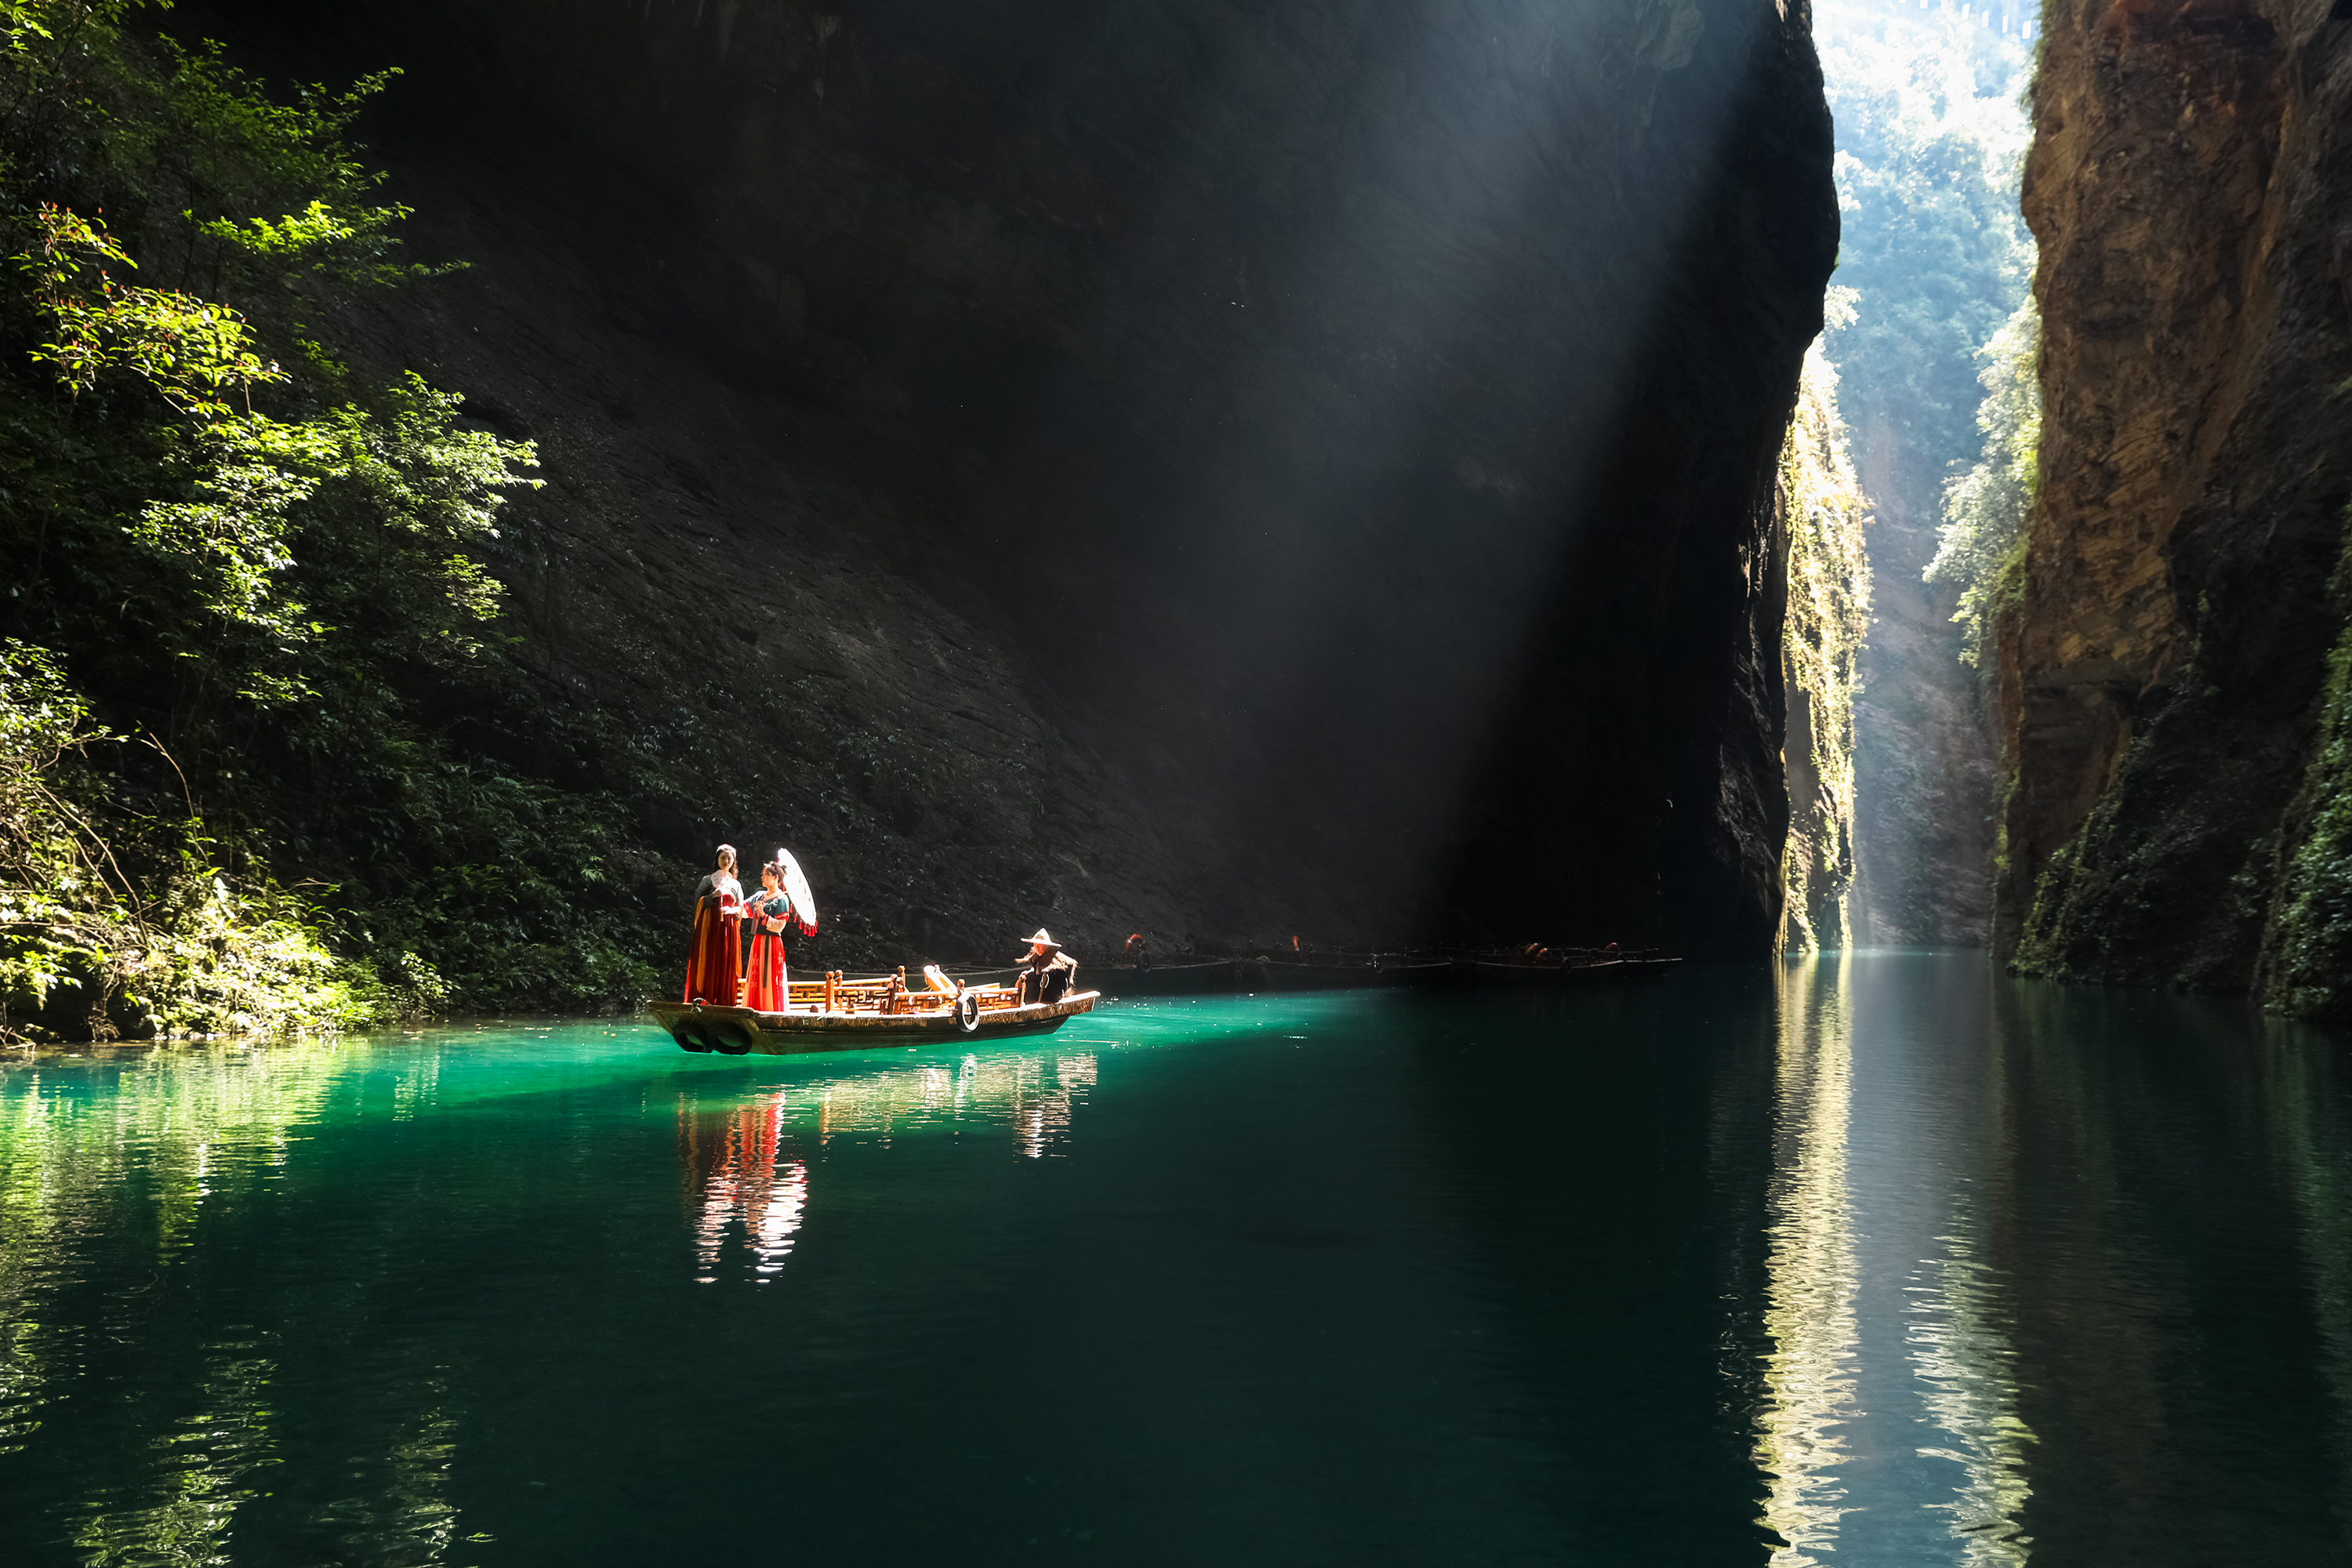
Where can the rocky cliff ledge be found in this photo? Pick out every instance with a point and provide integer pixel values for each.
(1233, 469)
(2166, 665)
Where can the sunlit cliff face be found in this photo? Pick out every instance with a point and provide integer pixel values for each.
(1348, 429)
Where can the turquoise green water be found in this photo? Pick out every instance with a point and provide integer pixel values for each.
(1880, 1261)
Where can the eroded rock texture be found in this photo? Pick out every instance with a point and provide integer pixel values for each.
(1230, 468)
(2188, 185)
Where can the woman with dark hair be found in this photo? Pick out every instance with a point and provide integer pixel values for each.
(714, 960)
(765, 986)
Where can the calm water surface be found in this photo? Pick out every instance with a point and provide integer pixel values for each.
(1881, 1261)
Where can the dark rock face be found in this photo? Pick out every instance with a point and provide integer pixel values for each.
(1230, 468)
(2162, 675)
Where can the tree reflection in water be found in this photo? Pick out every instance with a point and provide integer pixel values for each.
(155, 1149)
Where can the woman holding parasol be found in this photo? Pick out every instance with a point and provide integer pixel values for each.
(783, 899)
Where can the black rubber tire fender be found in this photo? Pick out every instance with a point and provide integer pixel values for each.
(967, 1012)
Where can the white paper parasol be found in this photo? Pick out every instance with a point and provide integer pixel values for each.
(796, 888)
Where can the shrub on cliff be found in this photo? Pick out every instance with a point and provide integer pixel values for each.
(1981, 548)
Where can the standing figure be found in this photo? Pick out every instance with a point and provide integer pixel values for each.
(715, 958)
(766, 988)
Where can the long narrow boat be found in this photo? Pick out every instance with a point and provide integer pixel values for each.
(837, 1013)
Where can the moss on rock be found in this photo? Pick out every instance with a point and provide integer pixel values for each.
(2305, 967)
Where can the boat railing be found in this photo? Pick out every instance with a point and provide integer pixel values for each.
(890, 993)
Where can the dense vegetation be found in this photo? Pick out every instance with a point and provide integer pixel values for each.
(1822, 509)
(1931, 138)
(1982, 541)
(247, 585)
(1931, 142)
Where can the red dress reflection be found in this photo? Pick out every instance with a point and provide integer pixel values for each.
(743, 1181)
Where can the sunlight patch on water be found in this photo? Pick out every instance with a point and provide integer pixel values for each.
(1893, 1428)
(1968, 1369)
(1810, 1298)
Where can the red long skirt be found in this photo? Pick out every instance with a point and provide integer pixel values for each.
(764, 987)
(712, 963)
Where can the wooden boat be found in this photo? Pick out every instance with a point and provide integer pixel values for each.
(837, 1013)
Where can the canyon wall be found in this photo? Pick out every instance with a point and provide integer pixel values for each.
(1232, 470)
(2165, 665)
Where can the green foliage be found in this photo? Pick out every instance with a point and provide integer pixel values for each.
(1930, 148)
(172, 947)
(219, 537)
(1824, 513)
(393, 492)
(189, 349)
(61, 898)
(1985, 509)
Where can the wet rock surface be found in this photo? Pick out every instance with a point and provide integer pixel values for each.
(1223, 470)
(2163, 674)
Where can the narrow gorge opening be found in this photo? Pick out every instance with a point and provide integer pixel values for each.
(1927, 394)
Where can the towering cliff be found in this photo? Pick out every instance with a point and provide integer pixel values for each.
(1228, 468)
(2165, 669)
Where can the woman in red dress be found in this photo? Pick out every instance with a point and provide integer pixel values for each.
(765, 987)
(714, 961)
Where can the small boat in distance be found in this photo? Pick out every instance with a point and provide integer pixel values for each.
(837, 1013)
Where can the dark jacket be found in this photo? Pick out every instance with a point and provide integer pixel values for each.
(1046, 976)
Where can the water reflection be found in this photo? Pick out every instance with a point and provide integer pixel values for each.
(131, 1144)
(746, 1161)
(117, 1169)
(206, 1465)
(1892, 1429)
(743, 1181)
(1811, 1271)
(1969, 1372)
(2315, 1146)
(1035, 1094)
(2023, 1270)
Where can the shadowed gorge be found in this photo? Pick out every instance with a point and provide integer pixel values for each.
(1230, 471)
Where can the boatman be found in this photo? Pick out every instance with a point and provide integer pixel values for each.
(1046, 975)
